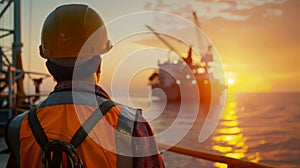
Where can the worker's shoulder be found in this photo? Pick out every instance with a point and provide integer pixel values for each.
(73, 97)
(15, 122)
(130, 112)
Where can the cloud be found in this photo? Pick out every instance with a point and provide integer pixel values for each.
(209, 9)
(272, 12)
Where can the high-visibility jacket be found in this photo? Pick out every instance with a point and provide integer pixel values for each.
(64, 111)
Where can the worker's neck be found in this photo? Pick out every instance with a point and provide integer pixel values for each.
(92, 79)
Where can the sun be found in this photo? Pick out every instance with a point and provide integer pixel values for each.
(230, 81)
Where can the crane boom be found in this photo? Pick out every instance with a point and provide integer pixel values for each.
(201, 42)
(164, 41)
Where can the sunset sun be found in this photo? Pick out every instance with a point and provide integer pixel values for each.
(230, 81)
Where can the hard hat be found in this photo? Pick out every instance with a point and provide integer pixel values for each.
(72, 31)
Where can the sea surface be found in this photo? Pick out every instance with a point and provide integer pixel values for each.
(257, 127)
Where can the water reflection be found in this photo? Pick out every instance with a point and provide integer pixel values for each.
(228, 138)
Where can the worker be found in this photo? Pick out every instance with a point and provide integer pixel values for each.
(78, 124)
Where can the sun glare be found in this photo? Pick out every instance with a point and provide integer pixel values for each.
(230, 81)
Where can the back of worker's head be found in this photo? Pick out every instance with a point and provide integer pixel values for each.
(73, 37)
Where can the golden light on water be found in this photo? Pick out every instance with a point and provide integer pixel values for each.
(229, 123)
(221, 165)
(230, 117)
(231, 130)
(229, 139)
(223, 149)
(236, 154)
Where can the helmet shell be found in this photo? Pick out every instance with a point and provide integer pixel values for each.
(72, 31)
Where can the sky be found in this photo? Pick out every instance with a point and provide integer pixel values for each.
(257, 41)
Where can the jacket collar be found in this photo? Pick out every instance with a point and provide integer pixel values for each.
(80, 86)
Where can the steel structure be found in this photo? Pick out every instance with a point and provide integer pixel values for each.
(11, 74)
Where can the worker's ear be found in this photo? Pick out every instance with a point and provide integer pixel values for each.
(41, 51)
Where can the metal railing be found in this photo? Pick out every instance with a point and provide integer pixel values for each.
(231, 162)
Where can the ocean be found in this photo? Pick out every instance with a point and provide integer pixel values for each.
(257, 127)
